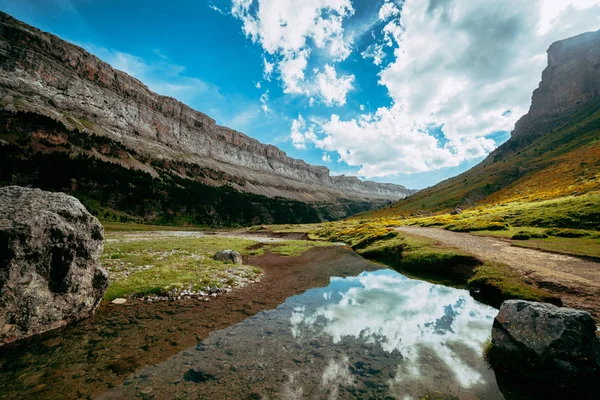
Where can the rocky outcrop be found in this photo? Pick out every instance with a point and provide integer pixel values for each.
(50, 273)
(42, 73)
(546, 343)
(571, 80)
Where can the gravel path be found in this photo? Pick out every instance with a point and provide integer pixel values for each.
(577, 281)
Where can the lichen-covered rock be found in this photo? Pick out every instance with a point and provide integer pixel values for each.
(544, 342)
(229, 256)
(50, 273)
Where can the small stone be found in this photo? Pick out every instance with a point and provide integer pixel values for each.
(119, 300)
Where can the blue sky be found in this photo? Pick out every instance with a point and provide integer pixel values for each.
(411, 92)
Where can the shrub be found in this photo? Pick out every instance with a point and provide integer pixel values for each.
(525, 235)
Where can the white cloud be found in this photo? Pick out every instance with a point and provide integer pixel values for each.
(289, 30)
(374, 51)
(264, 98)
(387, 10)
(326, 158)
(332, 89)
(217, 9)
(457, 65)
(257, 85)
(300, 134)
(362, 107)
(268, 69)
(411, 315)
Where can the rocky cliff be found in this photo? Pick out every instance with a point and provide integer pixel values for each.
(553, 151)
(41, 73)
(571, 80)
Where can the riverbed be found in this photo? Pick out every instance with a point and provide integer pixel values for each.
(326, 324)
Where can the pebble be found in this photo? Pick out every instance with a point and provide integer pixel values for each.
(119, 300)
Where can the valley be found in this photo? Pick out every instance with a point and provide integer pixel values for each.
(148, 252)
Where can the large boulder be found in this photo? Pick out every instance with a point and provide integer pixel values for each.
(544, 342)
(229, 256)
(50, 273)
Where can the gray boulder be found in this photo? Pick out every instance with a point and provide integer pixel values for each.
(229, 256)
(50, 272)
(545, 342)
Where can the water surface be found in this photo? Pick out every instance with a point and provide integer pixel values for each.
(375, 335)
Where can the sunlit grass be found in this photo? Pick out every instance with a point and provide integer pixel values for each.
(142, 265)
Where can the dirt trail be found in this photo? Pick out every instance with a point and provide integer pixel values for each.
(575, 280)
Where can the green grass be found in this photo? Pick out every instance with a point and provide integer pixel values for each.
(427, 259)
(587, 247)
(289, 248)
(502, 282)
(577, 242)
(142, 265)
(572, 212)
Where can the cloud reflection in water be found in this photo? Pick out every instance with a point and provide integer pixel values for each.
(404, 315)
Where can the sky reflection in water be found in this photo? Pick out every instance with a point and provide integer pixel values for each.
(376, 335)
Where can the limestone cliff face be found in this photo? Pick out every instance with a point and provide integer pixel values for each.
(571, 80)
(42, 73)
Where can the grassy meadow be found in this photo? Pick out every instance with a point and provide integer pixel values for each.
(145, 264)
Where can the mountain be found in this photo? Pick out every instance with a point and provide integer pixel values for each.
(67, 110)
(553, 151)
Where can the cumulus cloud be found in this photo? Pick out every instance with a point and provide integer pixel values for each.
(458, 67)
(301, 135)
(289, 30)
(333, 89)
(411, 315)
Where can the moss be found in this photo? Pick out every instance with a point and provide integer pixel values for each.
(496, 282)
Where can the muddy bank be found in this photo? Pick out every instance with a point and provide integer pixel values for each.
(95, 355)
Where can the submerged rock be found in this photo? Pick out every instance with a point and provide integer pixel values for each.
(229, 256)
(50, 273)
(546, 343)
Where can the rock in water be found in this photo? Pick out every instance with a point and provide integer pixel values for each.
(229, 256)
(50, 272)
(544, 342)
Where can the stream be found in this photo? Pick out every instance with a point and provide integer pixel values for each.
(376, 335)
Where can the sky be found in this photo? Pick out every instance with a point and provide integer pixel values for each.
(405, 91)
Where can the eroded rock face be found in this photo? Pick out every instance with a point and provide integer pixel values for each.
(546, 342)
(50, 272)
(571, 80)
(42, 73)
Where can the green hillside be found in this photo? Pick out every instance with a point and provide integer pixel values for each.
(564, 161)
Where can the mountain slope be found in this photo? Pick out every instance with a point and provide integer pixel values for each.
(42, 75)
(553, 151)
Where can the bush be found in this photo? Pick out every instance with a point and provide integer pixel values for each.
(567, 233)
(524, 235)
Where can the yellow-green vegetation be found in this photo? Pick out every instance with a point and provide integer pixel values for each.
(289, 248)
(567, 225)
(141, 264)
(428, 259)
(564, 161)
(503, 283)
(579, 212)
(402, 251)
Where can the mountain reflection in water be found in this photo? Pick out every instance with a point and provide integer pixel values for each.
(376, 335)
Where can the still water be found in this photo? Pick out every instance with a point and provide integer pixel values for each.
(377, 335)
